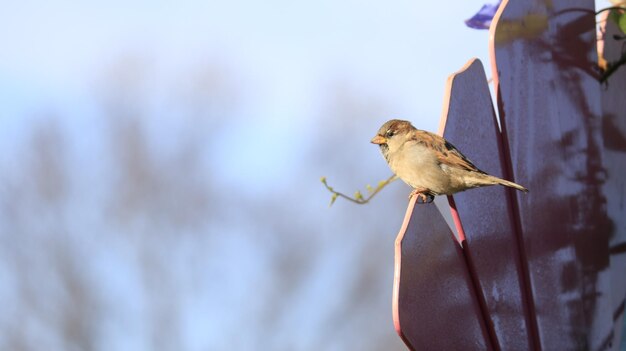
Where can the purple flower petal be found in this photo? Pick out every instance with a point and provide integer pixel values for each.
(482, 19)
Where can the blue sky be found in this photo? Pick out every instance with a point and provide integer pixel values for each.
(285, 57)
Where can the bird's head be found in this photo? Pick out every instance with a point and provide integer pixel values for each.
(392, 135)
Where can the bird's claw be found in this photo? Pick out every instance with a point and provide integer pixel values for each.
(424, 197)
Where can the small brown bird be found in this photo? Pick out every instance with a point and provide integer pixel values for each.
(430, 164)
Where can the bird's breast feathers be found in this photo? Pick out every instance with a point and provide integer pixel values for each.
(419, 167)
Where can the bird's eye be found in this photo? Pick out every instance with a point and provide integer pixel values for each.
(389, 133)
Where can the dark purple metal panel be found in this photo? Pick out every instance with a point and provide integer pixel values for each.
(614, 137)
(549, 103)
(434, 304)
(486, 214)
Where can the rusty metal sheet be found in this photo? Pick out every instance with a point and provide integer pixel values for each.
(614, 141)
(486, 214)
(549, 104)
(434, 305)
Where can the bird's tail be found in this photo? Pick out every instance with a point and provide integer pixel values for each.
(476, 179)
(510, 184)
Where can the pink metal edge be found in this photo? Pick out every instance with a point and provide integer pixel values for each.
(397, 269)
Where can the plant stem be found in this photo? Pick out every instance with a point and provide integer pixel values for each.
(358, 199)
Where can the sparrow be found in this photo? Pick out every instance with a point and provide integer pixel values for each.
(430, 164)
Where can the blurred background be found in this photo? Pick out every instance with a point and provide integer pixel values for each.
(160, 166)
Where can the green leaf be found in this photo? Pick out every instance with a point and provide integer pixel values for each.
(358, 195)
(619, 17)
(369, 188)
(323, 180)
(332, 200)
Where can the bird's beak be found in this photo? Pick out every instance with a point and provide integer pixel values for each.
(379, 139)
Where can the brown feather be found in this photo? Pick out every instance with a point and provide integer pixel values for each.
(448, 153)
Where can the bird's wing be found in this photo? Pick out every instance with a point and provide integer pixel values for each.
(446, 152)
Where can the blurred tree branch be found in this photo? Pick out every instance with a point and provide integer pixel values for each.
(358, 196)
